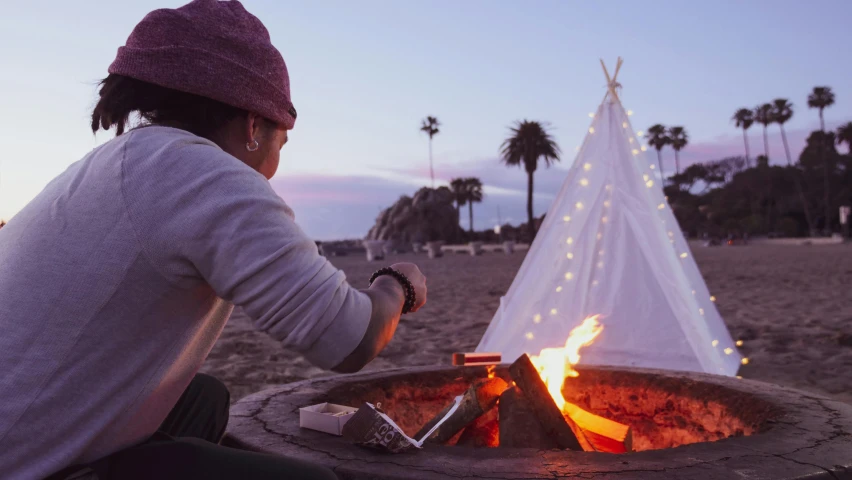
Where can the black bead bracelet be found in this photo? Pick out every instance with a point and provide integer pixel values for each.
(407, 287)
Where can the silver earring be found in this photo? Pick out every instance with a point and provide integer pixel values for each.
(252, 146)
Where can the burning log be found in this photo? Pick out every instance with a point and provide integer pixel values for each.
(604, 434)
(478, 399)
(472, 359)
(519, 426)
(483, 432)
(562, 429)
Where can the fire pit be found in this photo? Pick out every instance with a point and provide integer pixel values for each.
(684, 426)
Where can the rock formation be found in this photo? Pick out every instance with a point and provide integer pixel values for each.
(429, 216)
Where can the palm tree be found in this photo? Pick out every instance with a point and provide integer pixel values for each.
(457, 186)
(764, 116)
(658, 138)
(821, 98)
(473, 189)
(530, 141)
(782, 110)
(744, 118)
(430, 126)
(844, 135)
(679, 139)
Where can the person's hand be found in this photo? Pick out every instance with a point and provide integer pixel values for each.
(417, 279)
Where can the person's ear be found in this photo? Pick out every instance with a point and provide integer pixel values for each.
(254, 125)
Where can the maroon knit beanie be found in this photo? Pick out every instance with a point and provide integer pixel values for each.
(213, 49)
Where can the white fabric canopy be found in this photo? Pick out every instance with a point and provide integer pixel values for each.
(610, 245)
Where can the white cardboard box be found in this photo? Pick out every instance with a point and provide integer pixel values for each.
(325, 417)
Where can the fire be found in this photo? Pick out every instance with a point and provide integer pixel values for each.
(554, 364)
(490, 370)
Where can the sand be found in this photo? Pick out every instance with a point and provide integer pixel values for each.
(791, 305)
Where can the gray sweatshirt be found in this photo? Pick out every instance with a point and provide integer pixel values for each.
(116, 281)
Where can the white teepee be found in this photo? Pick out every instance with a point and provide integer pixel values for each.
(610, 245)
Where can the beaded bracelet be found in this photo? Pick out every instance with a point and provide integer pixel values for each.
(407, 287)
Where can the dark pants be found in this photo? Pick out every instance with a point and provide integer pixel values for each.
(186, 446)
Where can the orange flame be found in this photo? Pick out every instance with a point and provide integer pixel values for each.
(554, 364)
(490, 370)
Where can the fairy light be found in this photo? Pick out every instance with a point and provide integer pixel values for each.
(683, 255)
(577, 149)
(623, 124)
(744, 361)
(570, 256)
(570, 240)
(701, 311)
(630, 112)
(584, 182)
(644, 148)
(712, 298)
(739, 343)
(587, 166)
(693, 292)
(529, 336)
(639, 133)
(600, 253)
(600, 264)
(559, 289)
(607, 203)
(569, 276)
(715, 343)
(591, 129)
(579, 205)
(566, 218)
(595, 283)
(635, 152)
(630, 140)
(591, 115)
(739, 377)
(553, 311)
(645, 177)
(729, 351)
(599, 236)
(609, 187)
(671, 234)
(649, 183)
(537, 318)
(652, 167)
(604, 219)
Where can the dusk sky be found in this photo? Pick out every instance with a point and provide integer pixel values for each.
(365, 73)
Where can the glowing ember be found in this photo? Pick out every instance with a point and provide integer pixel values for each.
(554, 364)
(490, 370)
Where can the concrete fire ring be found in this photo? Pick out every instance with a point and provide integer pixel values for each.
(800, 436)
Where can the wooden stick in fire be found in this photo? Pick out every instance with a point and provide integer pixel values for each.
(562, 429)
(478, 399)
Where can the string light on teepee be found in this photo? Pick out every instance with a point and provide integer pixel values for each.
(595, 283)
(537, 318)
(569, 276)
(569, 256)
(649, 183)
(579, 205)
(529, 336)
(591, 115)
(566, 218)
(712, 298)
(744, 361)
(701, 311)
(635, 152)
(630, 140)
(587, 166)
(683, 255)
(604, 219)
(570, 240)
(729, 351)
(591, 129)
(599, 236)
(714, 343)
(584, 182)
(639, 133)
(739, 343)
(645, 148)
(559, 289)
(630, 112)
(553, 311)
(607, 203)
(661, 206)
(623, 124)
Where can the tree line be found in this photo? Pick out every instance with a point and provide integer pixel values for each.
(734, 194)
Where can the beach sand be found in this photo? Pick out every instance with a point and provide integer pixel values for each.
(792, 306)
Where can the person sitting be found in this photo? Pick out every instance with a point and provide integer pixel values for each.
(119, 276)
